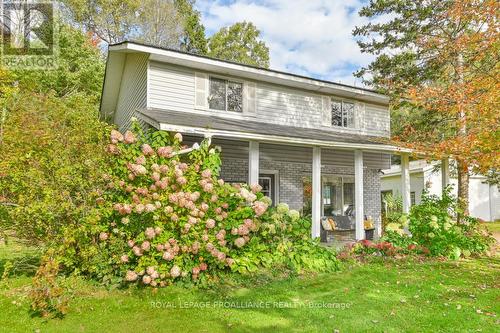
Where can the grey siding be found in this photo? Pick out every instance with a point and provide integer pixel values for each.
(173, 87)
(133, 89)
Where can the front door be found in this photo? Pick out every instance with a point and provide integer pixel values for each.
(267, 181)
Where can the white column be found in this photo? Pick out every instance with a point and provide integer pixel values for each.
(358, 190)
(316, 192)
(405, 182)
(445, 173)
(253, 162)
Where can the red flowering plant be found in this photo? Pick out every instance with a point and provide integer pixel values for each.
(164, 215)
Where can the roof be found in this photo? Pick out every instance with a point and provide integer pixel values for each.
(205, 124)
(115, 61)
(414, 167)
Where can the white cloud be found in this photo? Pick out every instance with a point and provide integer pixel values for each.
(308, 37)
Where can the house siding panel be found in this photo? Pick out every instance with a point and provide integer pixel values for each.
(133, 89)
(173, 87)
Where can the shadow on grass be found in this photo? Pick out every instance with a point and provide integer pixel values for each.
(17, 259)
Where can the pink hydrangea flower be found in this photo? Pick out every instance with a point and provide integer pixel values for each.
(168, 210)
(234, 231)
(164, 168)
(147, 150)
(167, 256)
(229, 261)
(145, 246)
(150, 270)
(204, 237)
(207, 173)
(150, 233)
(129, 137)
(130, 243)
(137, 251)
(221, 182)
(243, 230)
(113, 149)
(103, 236)
(259, 207)
(175, 271)
(159, 247)
(146, 279)
(131, 276)
(116, 136)
(165, 151)
(124, 258)
(149, 208)
(196, 270)
(239, 242)
(210, 223)
(255, 188)
(174, 217)
(181, 180)
(204, 206)
(139, 208)
(158, 230)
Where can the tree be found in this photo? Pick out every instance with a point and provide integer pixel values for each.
(111, 20)
(166, 23)
(240, 43)
(439, 61)
(158, 23)
(80, 68)
(193, 37)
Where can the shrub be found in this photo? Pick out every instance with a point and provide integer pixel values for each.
(283, 240)
(52, 157)
(433, 224)
(164, 216)
(48, 297)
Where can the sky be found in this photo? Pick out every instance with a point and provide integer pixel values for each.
(306, 37)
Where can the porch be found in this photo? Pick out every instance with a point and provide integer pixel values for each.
(319, 172)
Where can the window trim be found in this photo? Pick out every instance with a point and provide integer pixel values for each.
(342, 101)
(227, 80)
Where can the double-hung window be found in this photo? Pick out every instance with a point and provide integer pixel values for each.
(225, 95)
(342, 114)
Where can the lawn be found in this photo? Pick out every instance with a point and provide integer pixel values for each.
(382, 296)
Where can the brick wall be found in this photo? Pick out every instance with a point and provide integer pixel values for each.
(291, 176)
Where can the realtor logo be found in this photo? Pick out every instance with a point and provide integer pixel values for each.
(28, 34)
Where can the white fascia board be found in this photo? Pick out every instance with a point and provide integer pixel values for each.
(279, 139)
(257, 74)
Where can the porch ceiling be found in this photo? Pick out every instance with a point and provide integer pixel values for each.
(203, 124)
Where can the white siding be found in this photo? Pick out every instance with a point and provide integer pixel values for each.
(288, 107)
(133, 89)
(172, 87)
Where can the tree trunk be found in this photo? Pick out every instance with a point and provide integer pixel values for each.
(463, 186)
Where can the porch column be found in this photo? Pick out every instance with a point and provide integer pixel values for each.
(358, 191)
(316, 192)
(253, 162)
(445, 174)
(405, 182)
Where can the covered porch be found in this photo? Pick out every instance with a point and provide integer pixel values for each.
(331, 176)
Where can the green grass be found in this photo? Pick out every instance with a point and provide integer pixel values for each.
(382, 296)
(493, 226)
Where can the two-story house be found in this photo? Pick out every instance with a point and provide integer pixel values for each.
(309, 143)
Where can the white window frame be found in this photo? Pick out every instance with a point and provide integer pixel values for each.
(342, 101)
(227, 79)
(276, 185)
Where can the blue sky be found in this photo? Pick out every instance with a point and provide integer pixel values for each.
(307, 37)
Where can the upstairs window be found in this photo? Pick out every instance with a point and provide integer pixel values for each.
(342, 114)
(225, 95)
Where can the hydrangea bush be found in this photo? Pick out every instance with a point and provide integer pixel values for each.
(164, 216)
(433, 226)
